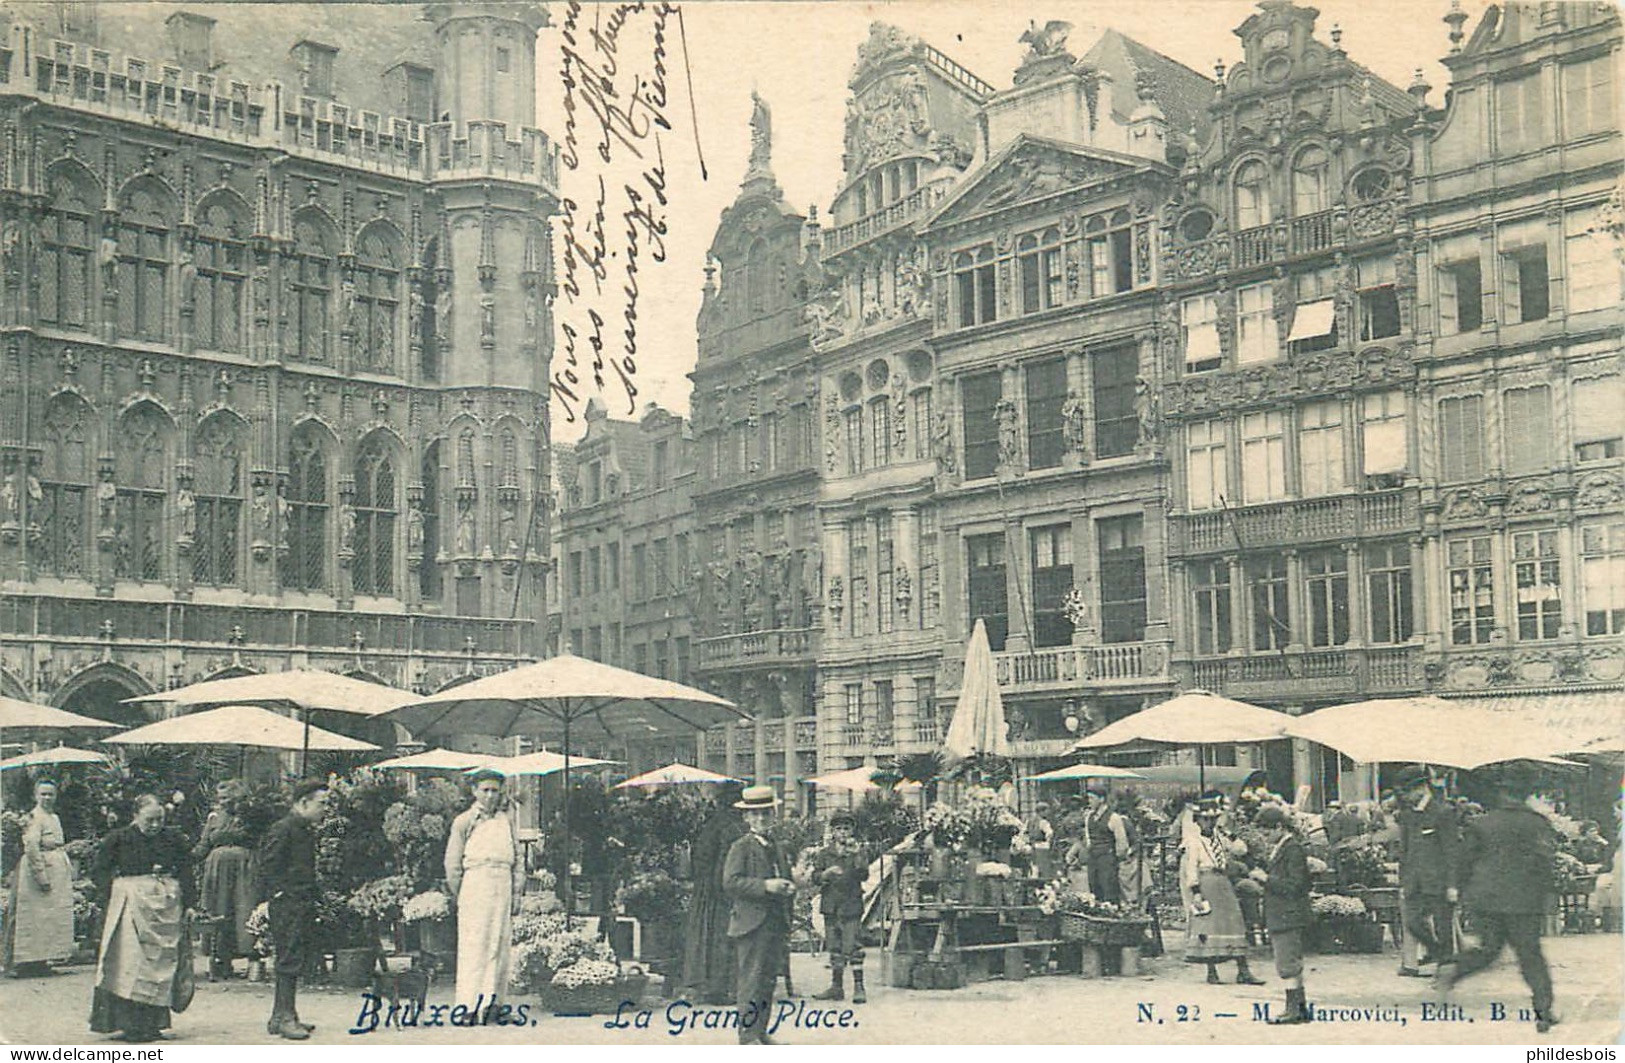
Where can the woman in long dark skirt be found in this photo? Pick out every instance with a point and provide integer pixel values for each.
(708, 961)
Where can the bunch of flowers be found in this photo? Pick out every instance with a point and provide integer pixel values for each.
(653, 896)
(428, 905)
(86, 912)
(382, 898)
(989, 823)
(259, 927)
(946, 824)
(1337, 906)
(1567, 869)
(1075, 606)
(1362, 865)
(544, 946)
(1021, 846)
(539, 904)
(1060, 896)
(587, 972)
(993, 869)
(545, 880)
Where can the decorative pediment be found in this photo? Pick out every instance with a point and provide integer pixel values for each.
(1030, 169)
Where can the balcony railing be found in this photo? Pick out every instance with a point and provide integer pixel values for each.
(912, 206)
(759, 647)
(1060, 665)
(1254, 247)
(1312, 232)
(1263, 244)
(1338, 671)
(1296, 521)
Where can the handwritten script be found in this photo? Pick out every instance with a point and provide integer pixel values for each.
(616, 195)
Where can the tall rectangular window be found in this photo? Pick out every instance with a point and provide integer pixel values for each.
(930, 592)
(1460, 284)
(1326, 586)
(1388, 589)
(981, 394)
(885, 575)
(1263, 456)
(1588, 96)
(1378, 298)
(1384, 439)
(974, 287)
(1592, 272)
(1206, 470)
(1526, 284)
(1461, 438)
(1602, 563)
(1520, 114)
(1257, 339)
(1537, 584)
(660, 568)
(612, 558)
(1272, 610)
(857, 575)
(1122, 578)
(576, 584)
(854, 704)
(925, 708)
(1117, 423)
(985, 582)
(857, 444)
(1527, 419)
(920, 415)
(885, 709)
(1199, 321)
(1052, 578)
(662, 459)
(1596, 420)
(1046, 394)
(1210, 591)
(880, 431)
(595, 570)
(1320, 448)
(1472, 590)
(640, 572)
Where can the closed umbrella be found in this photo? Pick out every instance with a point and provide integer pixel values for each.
(977, 727)
(57, 757)
(564, 698)
(673, 775)
(305, 690)
(244, 726)
(1195, 718)
(1424, 730)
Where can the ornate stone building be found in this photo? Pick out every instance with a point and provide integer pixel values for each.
(274, 316)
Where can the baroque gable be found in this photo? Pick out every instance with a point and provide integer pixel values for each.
(1031, 170)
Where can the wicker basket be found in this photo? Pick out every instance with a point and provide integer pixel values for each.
(1095, 930)
(593, 999)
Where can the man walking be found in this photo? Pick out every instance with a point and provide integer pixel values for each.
(1286, 907)
(1428, 851)
(756, 878)
(839, 868)
(287, 882)
(1507, 865)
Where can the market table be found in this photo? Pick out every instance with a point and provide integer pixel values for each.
(944, 945)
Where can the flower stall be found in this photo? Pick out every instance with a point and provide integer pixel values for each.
(566, 963)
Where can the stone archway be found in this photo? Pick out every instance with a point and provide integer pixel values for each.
(98, 690)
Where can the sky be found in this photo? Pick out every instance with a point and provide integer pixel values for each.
(798, 56)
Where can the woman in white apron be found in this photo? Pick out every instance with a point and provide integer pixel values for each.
(40, 928)
(485, 871)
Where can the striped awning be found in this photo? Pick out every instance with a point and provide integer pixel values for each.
(1579, 718)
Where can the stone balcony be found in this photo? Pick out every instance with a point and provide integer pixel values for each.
(917, 204)
(1067, 668)
(798, 645)
(1283, 239)
(1373, 671)
(1295, 522)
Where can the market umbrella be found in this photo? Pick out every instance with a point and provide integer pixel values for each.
(303, 689)
(674, 775)
(1085, 771)
(978, 726)
(860, 780)
(1424, 730)
(435, 760)
(1194, 718)
(541, 762)
(18, 715)
(245, 726)
(53, 757)
(564, 697)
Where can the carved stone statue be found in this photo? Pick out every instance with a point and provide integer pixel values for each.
(347, 521)
(488, 316)
(188, 280)
(348, 318)
(186, 512)
(1009, 435)
(261, 508)
(507, 520)
(415, 521)
(10, 501)
(107, 258)
(442, 314)
(942, 444)
(1074, 425)
(761, 139)
(465, 531)
(11, 250)
(284, 512)
(1148, 409)
(414, 315)
(1048, 41)
(107, 504)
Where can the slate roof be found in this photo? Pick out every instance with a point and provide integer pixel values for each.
(1182, 93)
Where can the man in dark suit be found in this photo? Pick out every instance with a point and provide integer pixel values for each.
(1286, 906)
(1429, 842)
(756, 878)
(1507, 866)
(287, 882)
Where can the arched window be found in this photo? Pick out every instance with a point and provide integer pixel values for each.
(220, 258)
(141, 465)
(377, 300)
(1040, 260)
(758, 280)
(305, 567)
(64, 489)
(1252, 196)
(143, 265)
(428, 571)
(509, 468)
(465, 458)
(973, 286)
(375, 510)
(64, 268)
(1311, 190)
(218, 502)
(310, 286)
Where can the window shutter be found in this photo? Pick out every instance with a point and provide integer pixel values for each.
(1599, 409)
(1511, 291)
(1528, 431)
(1449, 322)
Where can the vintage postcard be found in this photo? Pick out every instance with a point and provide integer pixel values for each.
(838, 523)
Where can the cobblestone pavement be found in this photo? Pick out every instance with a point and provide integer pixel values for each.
(1364, 999)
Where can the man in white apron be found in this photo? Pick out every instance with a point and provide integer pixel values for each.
(485, 870)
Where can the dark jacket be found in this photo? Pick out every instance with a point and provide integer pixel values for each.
(840, 894)
(751, 862)
(1429, 848)
(128, 852)
(287, 860)
(1506, 861)
(1286, 894)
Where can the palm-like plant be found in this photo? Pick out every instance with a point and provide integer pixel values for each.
(923, 768)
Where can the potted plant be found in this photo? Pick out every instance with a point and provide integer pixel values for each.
(1344, 924)
(659, 903)
(429, 913)
(379, 904)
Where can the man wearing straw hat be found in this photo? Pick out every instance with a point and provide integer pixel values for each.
(756, 878)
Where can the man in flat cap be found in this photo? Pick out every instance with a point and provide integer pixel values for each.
(1286, 906)
(1429, 839)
